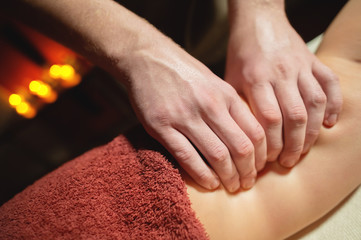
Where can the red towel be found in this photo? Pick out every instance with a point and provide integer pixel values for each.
(123, 190)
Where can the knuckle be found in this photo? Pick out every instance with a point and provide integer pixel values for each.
(158, 118)
(294, 150)
(203, 176)
(252, 75)
(272, 117)
(332, 77)
(282, 69)
(312, 133)
(318, 98)
(245, 150)
(219, 154)
(297, 114)
(183, 154)
(250, 174)
(209, 105)
(258, 134)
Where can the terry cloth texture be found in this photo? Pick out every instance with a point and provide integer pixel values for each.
(126, 189)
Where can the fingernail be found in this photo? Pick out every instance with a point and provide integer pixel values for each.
(214, 184)
(234, 187)
(331, 120)
(287, 163)
(248, 183)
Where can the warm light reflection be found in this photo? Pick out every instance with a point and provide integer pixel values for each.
(39, 88)
(43, 90)
(50, 97)
(30, 113)
(55, 71)
(25, 110)
(15, 99)
(47, 89)
(71, 82)
(34, 86)
(67, 72)
(22, 108)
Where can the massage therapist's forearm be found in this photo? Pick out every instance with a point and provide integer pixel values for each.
(245, 8)
(102, 31)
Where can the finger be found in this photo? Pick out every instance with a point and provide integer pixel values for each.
(315, 102)
(331, 86)
(244, 118)
(238, 144)
(188, 158)
(215, 151)
(266, 109)
(295, 119)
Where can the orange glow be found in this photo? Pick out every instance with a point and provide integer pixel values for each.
(30, 113)
(22, 108)
(34, 86)
(50, 97)
(15, 99)
(67, 72)
(72, 82)
(25, 110)
(39, 88)
(43, 90)
(55, 71)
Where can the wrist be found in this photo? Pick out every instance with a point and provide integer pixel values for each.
(246, 5)
(245, 11)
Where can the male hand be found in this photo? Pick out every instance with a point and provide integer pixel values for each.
(289, 90)
(183, 105)
(179, 101)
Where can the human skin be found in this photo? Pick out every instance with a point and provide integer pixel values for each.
(289, 90)
(285, 201)
(179, 101)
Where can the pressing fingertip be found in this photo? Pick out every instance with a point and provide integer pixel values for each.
(260, 167)
(248, 183)
(306, 148)
(288, 163)
(331, 120)
(215, 184)
(235, 187)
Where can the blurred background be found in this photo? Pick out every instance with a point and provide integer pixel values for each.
(54, 105)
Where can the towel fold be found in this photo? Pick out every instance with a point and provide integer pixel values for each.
(125, 189)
